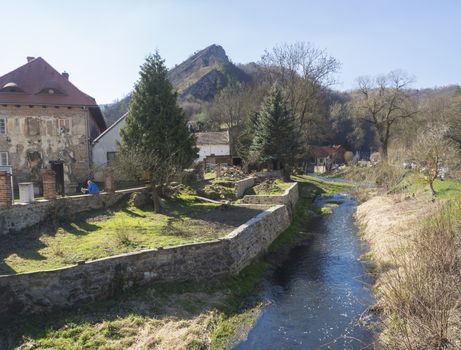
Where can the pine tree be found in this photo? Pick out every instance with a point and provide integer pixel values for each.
(274, 141)
(156, 142)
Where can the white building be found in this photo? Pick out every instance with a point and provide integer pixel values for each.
(105, 145)
(213, 143)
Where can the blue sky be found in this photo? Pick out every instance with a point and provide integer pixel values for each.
(103, 43)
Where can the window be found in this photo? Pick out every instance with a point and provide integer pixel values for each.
(3, 158)
(2, 126)
(64, 126)
(111, 157)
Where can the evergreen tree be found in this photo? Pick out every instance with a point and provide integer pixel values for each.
(156, 142)
(274, 139)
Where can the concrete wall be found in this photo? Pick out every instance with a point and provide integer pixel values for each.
(22, 216)
(107, 143)
(208, 150)
(289, 198)
(242, 185)
(34, 137)
(62, 288)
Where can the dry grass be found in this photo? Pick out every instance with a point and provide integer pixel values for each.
(416, 246)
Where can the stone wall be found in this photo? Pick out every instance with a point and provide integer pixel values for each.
(22, 216)
(63, 288)
(242, 185)
(288, 198)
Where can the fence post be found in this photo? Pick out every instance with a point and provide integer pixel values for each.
(6, 195)
(109, 180)
(49, 184)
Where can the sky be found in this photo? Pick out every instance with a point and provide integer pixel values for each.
(102, 43)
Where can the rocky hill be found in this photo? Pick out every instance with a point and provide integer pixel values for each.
(198, 79)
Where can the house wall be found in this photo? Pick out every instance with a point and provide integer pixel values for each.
(107, 143)
(208, 150)
(33, 138)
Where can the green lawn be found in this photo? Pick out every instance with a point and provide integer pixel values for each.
(120, 230)
(413, 183)
(276, 188)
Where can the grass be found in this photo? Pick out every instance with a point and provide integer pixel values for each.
(166, 315)
(276, 188)
(217, 189)
(106, 233)
(413, 183)
(213, 314)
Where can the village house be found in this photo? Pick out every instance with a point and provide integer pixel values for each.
(326, 157)
(214, 144)
(105, 146)
(46, 122)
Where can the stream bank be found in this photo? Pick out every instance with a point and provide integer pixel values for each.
(317, 297)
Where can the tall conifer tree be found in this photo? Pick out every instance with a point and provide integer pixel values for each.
(155, 142)
(275, 140)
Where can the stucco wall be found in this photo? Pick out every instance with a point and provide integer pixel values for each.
(47, 290)
(22, 216)
(208, 150)
(106, 143)
(34, 138)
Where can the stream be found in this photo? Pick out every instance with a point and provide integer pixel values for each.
(318, 295)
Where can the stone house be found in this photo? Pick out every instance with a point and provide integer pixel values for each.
(46, 122)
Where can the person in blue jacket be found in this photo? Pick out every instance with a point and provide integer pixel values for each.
(91, 188)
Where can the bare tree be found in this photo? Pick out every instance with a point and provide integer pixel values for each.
(383, 101)
(233, 107)
(303, 72)
(434, 153)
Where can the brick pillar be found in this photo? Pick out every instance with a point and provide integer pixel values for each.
(49, 184)
(6, 197)
(109, 180)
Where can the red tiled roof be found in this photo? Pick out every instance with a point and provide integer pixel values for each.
(35, 78)
(325, 151)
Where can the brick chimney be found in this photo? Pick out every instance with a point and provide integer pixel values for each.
(65, 75)
(30, 58)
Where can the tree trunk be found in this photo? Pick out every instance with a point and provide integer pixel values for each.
(434, 193)
(383, 151)
(156, 199)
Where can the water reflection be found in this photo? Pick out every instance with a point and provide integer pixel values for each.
(319, 294)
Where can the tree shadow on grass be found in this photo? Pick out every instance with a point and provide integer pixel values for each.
(26, 244)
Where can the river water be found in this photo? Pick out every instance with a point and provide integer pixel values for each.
(317, 297)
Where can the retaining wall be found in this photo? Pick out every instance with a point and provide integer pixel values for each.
(22, 216)
(242, 185)
(63, 288)
(289, 198)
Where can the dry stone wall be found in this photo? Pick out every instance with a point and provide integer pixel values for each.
(44, 291)
(242, 185)
(63, 288)
(20, 217)
(289, 198)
